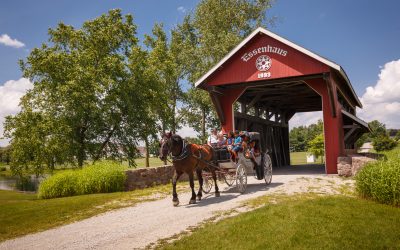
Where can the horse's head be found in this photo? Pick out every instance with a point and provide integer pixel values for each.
(165, 146)
(170, 144)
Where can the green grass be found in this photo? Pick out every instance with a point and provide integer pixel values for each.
(300, 158)
(101, 177)
(24, 213)
(334, 222)
(153, 161)
(380, 180)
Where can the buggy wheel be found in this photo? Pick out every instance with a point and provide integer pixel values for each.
(241, 178)
(207, 184)
(267, 164)
(229, 178)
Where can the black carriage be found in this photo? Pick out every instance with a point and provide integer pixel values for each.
(236, 171)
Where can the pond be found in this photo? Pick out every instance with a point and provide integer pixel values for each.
(29, 183)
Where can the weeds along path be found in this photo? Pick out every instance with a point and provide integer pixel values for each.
(146, 223)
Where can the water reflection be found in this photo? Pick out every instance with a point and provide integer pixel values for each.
(7, 184)
(28, 183)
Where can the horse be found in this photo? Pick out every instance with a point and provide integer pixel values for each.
(187, 158)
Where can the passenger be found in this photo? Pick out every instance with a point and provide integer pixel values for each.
(213, 138)
(245, 140)
(253, 152)
(221, 140)
(237, 145)
(230, 140)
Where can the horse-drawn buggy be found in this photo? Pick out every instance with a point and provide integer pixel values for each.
(235, 171)
(215, 163)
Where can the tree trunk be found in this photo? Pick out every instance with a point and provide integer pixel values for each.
(173, 116)
(203, 125)
(104, 144)
(146, 143)
(81, 146)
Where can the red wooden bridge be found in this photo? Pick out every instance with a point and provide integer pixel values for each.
(271, 78)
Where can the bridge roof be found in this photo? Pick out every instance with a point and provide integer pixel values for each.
(203, 80)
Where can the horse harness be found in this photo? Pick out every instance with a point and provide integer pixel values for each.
(185, 153)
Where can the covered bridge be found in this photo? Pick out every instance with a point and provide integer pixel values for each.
(271, 79)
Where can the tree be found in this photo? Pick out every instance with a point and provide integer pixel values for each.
(86, 96)
(316, 146)
(383, 143)
(5, 154)
(208, 34)
(165, 63)
(300, 136)
(378, 129)
(397, 137)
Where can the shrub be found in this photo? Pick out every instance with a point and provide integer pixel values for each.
(380, 180)
(102, 177)
(3, 169)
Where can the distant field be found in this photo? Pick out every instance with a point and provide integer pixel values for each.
(300, 158)
(154, 162)
(296, 158)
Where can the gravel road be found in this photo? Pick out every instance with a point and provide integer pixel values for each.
(138, 226)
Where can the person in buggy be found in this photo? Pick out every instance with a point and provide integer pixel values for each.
(230, 141)
(212, 140)
(253, 151)
(221, 140)
(237, 145)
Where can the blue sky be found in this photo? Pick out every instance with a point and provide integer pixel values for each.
(361, 36)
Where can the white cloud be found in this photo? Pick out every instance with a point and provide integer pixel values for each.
(10, 94)
(382, 101)
(8, 41)
(181, 9)
(187, 132)
(305, 119)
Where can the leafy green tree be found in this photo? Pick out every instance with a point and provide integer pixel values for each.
(316, 146)
(208, 34)
(378, 129)
(5, 154)
(300, 136)
(88, 100)
(397, 137)
(297, 139)
(383, 142)
(165, 63)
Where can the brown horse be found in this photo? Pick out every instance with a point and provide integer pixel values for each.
(187, 158)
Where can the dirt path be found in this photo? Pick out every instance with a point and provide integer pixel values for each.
(137, 227)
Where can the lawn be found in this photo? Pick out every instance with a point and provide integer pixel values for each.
(24, 213)
(154, 162)
(333, 222)
(300, 158)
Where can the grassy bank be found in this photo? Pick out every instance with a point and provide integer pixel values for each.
(380, 180)
(303, 223)
(23, 213)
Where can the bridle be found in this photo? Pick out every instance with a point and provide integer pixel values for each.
(184, 150)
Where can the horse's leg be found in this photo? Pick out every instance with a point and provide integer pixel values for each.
(214, 175)
(200, 178)
(191, 181)
(175, 178)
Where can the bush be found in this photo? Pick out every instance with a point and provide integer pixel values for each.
(380, 180)
(102, 177)
(383, 143)
(3, 169)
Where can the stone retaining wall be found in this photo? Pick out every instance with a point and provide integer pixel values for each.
(148, 177)
(352, 164)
